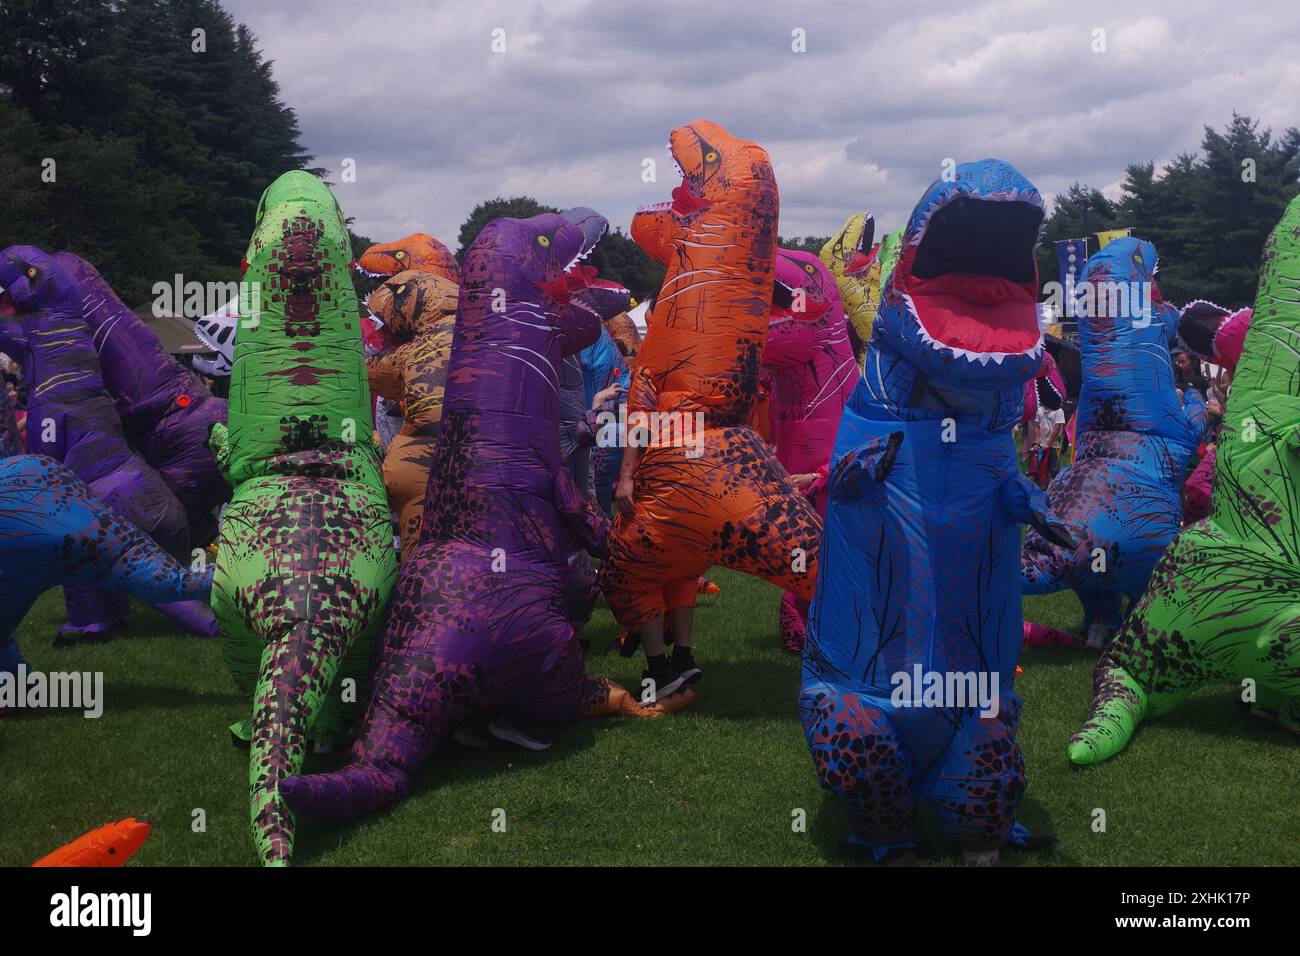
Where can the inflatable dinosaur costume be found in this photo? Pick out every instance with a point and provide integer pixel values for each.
(479, 625)
(53, 531)
(419, 309)
(417, 252)
(1221, 604)
(813, 370)
(708, 489)
(1134, 440)
(305, 558)
(165, 410)
(919, 568)
(71, 418)
(855, 264)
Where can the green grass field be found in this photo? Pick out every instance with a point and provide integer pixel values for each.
(716, 784)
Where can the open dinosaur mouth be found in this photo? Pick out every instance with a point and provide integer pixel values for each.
(784, 297)
(866, 251)
(1049, 396)
(970, 277)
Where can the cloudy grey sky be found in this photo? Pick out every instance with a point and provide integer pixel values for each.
(586, 89)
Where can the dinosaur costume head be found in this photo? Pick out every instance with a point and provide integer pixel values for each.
(520, 260)
(418, 251)
(298, 387)
(413, 300)
(1214, 333)
(960, 304)
(33, 279)
(805, 310)
(855, 262)
(1047, 389)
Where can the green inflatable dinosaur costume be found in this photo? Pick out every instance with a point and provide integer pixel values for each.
(305, 557)
(1224, 601)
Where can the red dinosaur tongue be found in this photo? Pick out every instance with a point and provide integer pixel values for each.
(686, 202)
(575, 280)
(860, 261)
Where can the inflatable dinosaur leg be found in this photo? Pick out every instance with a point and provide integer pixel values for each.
(976, 787)
(296, 670)
(861, 759)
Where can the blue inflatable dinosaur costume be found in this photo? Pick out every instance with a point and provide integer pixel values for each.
(1121, 497)
(918, 579)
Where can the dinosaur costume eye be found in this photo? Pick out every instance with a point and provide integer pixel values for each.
(544, 241)
(808, 268)
(400, 289)
(399, 255)
(711, 156)
(31, 272)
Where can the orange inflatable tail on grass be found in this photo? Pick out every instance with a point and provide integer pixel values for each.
(109, 845)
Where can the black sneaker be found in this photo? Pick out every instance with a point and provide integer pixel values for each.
(684, 661)
(664, 681)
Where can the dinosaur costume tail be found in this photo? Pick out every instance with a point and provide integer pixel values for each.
(295, 673)
(354, 791)
(1118, 706)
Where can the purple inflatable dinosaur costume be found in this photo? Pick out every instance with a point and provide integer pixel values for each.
(71, 418)
(478, 622)
(165, 410)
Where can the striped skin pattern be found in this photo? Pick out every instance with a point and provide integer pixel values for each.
(305, 558)
(1221, 604)
(1121, 496)
(920, 557)
(72, 419)
(479, 625)
(813, 371)
(732, 504)
(165, 410)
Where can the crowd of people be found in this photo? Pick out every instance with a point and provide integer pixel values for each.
(431, 500)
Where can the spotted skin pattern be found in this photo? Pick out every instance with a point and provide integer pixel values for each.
(920, 554)
(1221, 603)
(53, 531)
(479, 622)
(72, 419)
(813, 371)
(165, 409)
(419, 309)
(1134, 439)
(733, 504)
(305, 558)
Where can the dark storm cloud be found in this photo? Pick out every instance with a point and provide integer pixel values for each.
(864, 119)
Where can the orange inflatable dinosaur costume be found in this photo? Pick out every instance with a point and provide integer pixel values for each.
(707, 489)
(419, 310)
(418, 251)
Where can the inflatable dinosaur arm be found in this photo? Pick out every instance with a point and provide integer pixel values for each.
(864, 470)
(652, 230)
(384, 371)
(581, 515)
(219, 445)
(1023, 502)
